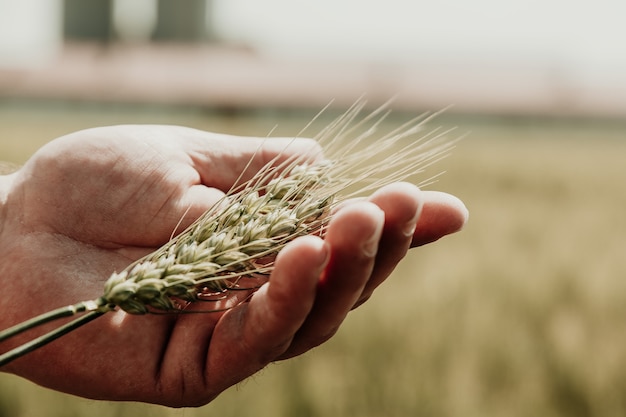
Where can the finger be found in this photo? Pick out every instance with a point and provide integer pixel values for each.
(213, 352)
(255, 334)
(442, 215)
(402, 204)
(353, 235)
(221, 159)
(283, 305)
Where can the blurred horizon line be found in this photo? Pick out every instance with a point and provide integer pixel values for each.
(221, 75)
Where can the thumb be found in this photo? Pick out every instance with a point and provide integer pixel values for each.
(223, 160)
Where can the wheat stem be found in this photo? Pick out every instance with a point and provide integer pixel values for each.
(49, 337)
(59, 313)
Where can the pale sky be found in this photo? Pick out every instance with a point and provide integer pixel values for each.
(588, 33)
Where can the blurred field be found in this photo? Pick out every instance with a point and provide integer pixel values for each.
(521, 314)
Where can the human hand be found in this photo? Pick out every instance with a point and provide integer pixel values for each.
(92, 202)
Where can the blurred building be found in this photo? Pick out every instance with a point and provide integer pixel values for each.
(33, 31)
(156, 20)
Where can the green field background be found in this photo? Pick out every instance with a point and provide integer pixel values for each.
(521, 314)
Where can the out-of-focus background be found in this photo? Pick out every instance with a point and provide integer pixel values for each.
(523, 313)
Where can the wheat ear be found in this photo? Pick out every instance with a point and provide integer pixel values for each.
(233, 245)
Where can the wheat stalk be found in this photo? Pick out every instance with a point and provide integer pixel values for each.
(233, 245)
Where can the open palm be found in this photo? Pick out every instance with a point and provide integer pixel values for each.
(90, 203)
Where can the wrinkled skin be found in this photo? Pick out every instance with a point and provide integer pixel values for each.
(89, 203)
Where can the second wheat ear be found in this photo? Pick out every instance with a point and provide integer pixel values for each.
(232, 246)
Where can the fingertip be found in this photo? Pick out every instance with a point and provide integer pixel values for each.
(402, 202)
(361, 222)
(457, 211)
(299, 265)
(309, 248)
(442, 214)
